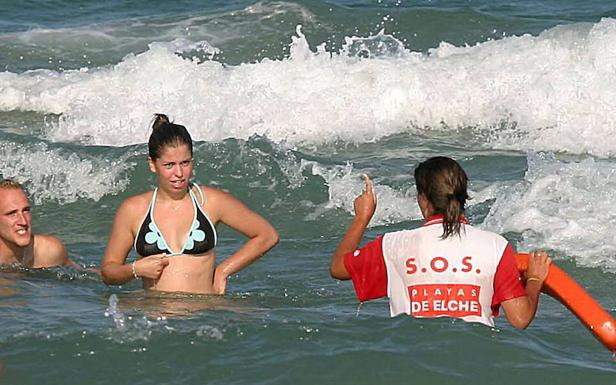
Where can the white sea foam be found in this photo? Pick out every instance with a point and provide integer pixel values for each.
(54, 174)
(556, 92)
(344, 183)
(566, 206)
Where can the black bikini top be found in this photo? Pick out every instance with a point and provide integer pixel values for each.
(201, 236)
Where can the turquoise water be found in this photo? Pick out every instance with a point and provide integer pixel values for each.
(291, 102)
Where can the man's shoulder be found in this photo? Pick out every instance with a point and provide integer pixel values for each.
(49, 251)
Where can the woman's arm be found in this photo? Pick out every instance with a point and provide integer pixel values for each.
(261, 235)
(521, 311)
(364, 206)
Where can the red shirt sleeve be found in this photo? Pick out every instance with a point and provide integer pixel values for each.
(507, 284)
(367, 269)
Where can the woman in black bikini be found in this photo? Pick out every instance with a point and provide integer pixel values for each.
(173, 227)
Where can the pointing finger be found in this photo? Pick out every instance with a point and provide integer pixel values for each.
(368, 183)
(370, 187)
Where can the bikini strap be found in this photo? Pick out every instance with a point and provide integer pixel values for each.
(201, 194)
(151, 209)
(149, 213)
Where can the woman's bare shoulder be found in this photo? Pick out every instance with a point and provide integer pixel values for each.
(211, 190)
(136, 204)
(215, 194)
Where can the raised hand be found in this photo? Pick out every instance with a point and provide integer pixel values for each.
(365, 203)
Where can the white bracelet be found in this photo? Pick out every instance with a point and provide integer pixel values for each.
(133, 268)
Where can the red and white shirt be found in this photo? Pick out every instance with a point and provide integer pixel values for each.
(466, 276)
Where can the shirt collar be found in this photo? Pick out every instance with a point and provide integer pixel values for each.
(435, 219)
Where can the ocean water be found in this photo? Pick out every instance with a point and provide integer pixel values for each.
(290, 103)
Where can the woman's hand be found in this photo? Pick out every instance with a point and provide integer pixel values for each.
(151, 267)
(260, 233)
(538, 265)
(220, 282)
(520, 311)
(365, 204)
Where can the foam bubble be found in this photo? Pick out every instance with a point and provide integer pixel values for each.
(567, 206)
(210, 332)
(550, 92)
(54, 174)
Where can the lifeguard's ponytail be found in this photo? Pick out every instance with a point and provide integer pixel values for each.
(443, 182)
(164, 133)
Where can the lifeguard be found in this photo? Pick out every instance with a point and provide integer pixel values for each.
(444, 268)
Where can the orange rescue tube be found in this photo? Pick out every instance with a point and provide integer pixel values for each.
(567, 291)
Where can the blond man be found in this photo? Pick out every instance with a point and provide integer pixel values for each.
(17, 243)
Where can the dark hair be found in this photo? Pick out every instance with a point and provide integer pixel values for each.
(165, 133)
(443, 182)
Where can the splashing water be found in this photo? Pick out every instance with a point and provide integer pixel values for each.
(373, 88)
(129, 328)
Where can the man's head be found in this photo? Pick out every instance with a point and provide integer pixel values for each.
(15, 216)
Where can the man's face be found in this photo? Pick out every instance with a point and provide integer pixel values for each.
(15, 217)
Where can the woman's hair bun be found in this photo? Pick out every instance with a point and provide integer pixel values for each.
(159, 121)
